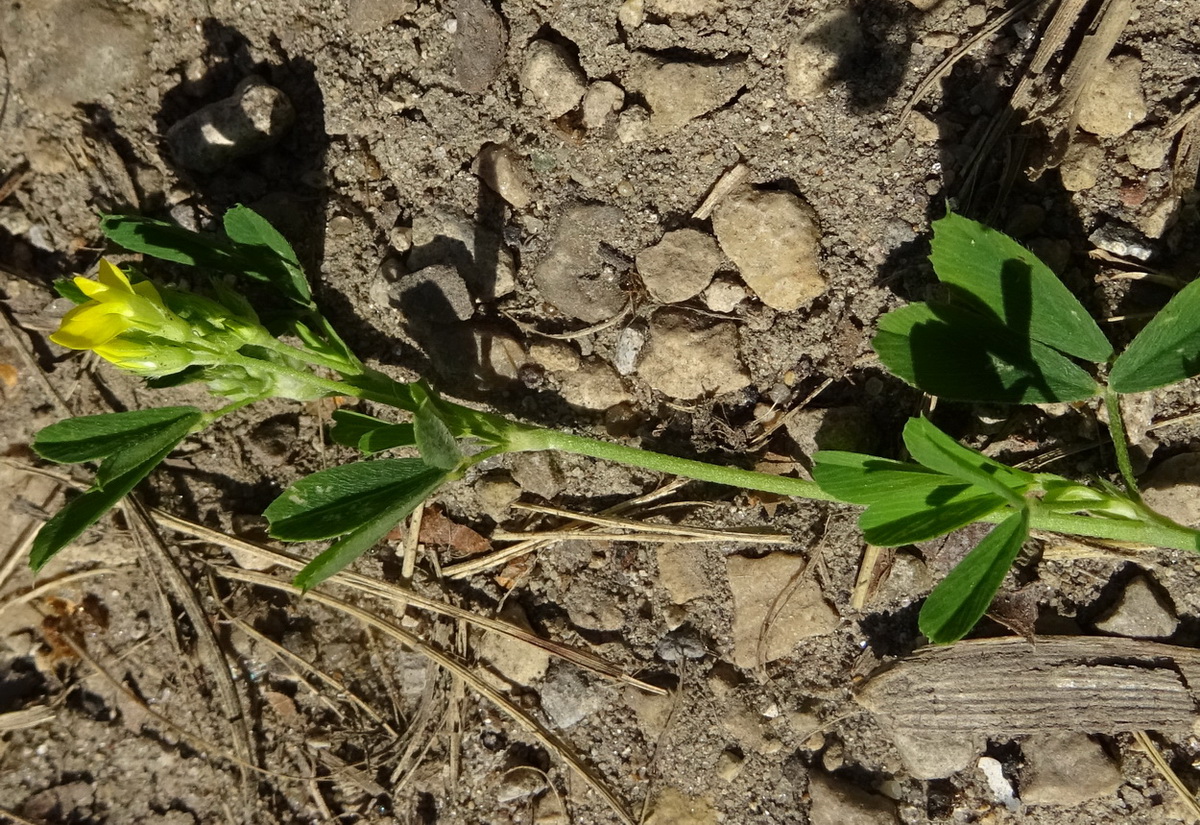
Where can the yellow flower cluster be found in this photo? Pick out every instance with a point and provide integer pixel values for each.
(120, 323)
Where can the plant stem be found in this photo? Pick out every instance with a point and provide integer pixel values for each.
(1116, 429)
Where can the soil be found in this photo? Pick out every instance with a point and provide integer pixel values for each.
(394, 101)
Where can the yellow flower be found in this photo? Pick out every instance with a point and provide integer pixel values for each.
(116, 307)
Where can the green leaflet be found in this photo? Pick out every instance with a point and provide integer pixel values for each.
(962, 598)
(275, 260)
(1166, 350)
(959, 355)
(339, 500)
(370, 434)
(934, 449)
(1003, 280)
(436, 443)
(905, 503)
(86, 510)
(91, 437)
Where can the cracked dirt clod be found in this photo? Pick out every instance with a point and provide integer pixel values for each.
(680, 92)
(679, 266)
(573, 276)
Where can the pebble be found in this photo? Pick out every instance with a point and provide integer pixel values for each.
(504, 172)
(1113, 102)
(498, 353)
(724, 294)
(680, 92)
(255, 117)
(480, 44)
(573, 276)
(552, 77)
(433, 295)
(681, 572)
(631, 13)
(1141, 612)
(478, 254)
(686, 8)
(568, 697)
(814, 56)
(519, 784)
(937, 756)
(680, 266)
(688, 357)
(364, 16)
(1066, 768)
(65, 52)
(1122, 241)
(539, 473)
(729, 765)
(594, 386)
(518, 662)
(1147, 152)
(755, 584)
(836, 428)
(1173, 488)
(684, 642)
(497, 493)
(628, 347)
(600, 102)
(835, 802)
(1080, 167)
(975, 16)
(671, 807)
(554, 355)
(774, 239)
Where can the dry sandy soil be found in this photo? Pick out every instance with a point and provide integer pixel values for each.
(671, 223)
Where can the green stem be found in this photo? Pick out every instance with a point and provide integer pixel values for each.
(254, 365)
(1116, 429)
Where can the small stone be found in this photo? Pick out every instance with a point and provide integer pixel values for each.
(681, 572)
(548, 810)
(1122, 241)
(504, 173)
(688, 357)
(556, 356)
(497, 493)
(433, 295)
(594, 386)
(679, 92)
(364, 16)
(574, 276)
(725, 294)
(1066, 768)
(628, 348)
(998, 783)
(1113, 102)
(814, 56)
(518, 662)
(568, 696)
(478, 254)
(756, 583)
(539, 473)
(937, 756)
(631, 13)
(498, 353)
(255, 117)
(685, 9)
(908, 580)
(633, 125)
(519, 784)
(679, 266)
(684, 642)
(774, 239)
(835, 802)
(600, 102)
(923, 129)
(729, 765)
(674, 808)
(837, 428)
(552, 77)
(1147, 152)
(975, 15)
(1142, 612)
(1080, 167)
(480, 44)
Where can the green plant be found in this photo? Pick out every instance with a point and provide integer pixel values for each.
(1009, 332)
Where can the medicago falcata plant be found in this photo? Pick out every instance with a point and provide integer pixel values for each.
(1008, 332)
